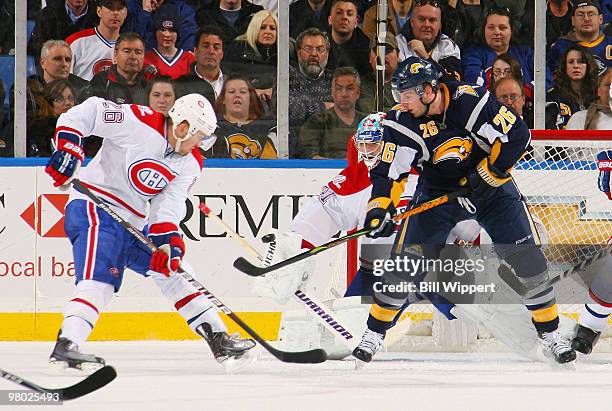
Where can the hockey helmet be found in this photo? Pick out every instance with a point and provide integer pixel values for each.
(199, 113)
(414, 72)
(368, 138)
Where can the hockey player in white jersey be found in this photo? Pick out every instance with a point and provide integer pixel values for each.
(341, 206)
(595, 313)
(144, 171)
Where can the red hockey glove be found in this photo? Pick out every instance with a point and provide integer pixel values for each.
(171, 248)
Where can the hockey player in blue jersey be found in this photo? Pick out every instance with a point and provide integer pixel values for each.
(456, 135)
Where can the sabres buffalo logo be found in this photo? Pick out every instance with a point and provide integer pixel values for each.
(455, 149)
(464, 89)
(416, 67)
(243, 147)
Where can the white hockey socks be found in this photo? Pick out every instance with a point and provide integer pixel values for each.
(595, 316)
(83, 310)
(190, 303)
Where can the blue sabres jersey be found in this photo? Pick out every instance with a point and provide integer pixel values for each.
(445, 148)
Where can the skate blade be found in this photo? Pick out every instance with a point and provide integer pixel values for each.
(235, 365)
(63, 368)
(562, 367)
(359, 364)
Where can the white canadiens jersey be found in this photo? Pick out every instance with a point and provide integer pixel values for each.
(91, 53)
(342, 204)
(135, 171)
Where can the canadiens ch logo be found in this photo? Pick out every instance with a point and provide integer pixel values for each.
(456, 148)
(243, 147)
(101, 65)
(149, 176)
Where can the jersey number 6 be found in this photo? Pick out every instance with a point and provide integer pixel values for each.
(388, 152)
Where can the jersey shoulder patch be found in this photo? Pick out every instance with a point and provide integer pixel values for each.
(351, 180)
(149, 117)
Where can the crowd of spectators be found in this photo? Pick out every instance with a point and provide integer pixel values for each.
(151, 52)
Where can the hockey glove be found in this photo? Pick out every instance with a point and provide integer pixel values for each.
(486, 178)
(66, 160)
(171, 248)
(281, 284)
(604, 164)
(379, 217)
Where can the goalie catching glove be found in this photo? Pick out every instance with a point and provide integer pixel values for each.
(604, 165)
(281, 284)
(485, 179)
(170, 248)
(379, 217)
(66, 160)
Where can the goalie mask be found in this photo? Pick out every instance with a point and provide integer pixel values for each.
(414, 72)
(368, 139)
(199, 113)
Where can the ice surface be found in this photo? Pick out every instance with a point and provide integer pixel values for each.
(182, 375)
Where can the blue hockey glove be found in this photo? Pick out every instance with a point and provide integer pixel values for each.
(66, 160)
(486, 178)
(604, 165)
(379, 217)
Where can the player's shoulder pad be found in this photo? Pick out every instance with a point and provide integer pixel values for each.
(351, 180)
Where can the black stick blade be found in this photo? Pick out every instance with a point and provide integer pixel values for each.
(90, 384)
(244, 265)
(315, 356)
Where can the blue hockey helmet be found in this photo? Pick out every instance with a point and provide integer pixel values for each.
(368, 138)
(414, 72)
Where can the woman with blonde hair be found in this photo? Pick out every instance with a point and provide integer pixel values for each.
(254, 53)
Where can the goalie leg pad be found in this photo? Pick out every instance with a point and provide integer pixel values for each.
(190, 303)
(509, 323)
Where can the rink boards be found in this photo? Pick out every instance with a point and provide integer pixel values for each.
(37, 276)
(37, 273)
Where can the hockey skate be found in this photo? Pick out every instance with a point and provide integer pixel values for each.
(66, 354)
(585, 339)
(370, 344)
(228, 349)
(557, 347)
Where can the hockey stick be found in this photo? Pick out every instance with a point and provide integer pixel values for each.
(91, 383)
(311, 357)
(248, 268)
(323, 314)
(508, 276)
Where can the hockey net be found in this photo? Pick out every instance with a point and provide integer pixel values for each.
(558, 179)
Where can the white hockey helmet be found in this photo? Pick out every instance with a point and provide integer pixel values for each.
(199, 113)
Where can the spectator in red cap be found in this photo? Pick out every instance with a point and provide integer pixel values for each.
(165, 56)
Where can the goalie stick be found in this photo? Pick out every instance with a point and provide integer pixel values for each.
(303, 357)
(91, 383)
(248, 268)
(321, 312)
